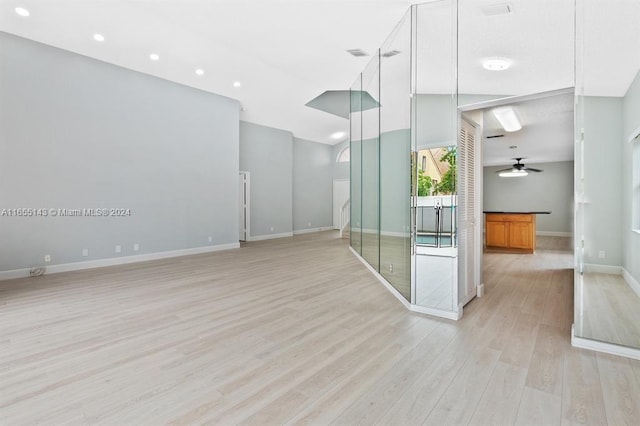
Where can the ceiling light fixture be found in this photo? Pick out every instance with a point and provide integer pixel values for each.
(338, 135)
(513, 173)
(507, 118)
(200, 71)
(496, 64)
(22, 11)
(237, 84)
(154, 57)
(98, 37)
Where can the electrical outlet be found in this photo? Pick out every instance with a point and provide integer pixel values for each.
(118, 249)
(391, 267)
(602, 254)
(309, 224)
(85, 252)
(47, 258)
(271, 229)
(136, 247)
(210, 238)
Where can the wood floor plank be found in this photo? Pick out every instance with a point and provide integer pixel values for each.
(620, 390)
(583, 403)
(501, 398)
(547, 363)
(539, 408)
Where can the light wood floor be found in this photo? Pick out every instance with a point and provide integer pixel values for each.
(610, 312)
(297, 331)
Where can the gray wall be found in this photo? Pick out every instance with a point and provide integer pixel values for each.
(267, 153)
(631, 123)
(551, 190)
(313, 165)
(603, 212)
(80, 133)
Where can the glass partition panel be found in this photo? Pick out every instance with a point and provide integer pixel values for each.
(608, 103)
(371, 166)
(356, 165)
(434, 145)
(395, 158)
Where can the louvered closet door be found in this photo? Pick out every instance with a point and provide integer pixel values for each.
(467, 256)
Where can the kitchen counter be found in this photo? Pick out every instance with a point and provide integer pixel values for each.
(512, 232)
(496, 212)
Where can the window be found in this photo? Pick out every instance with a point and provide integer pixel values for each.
(635, 208)
(424, 162)
(344, 156)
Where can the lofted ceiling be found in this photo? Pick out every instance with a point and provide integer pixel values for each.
(285, 53)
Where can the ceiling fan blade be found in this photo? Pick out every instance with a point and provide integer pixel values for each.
(505, 170)
(531, 169)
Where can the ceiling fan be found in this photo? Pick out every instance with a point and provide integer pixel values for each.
(518, 169)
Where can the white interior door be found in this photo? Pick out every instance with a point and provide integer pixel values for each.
(340, 196)
(468, 213)
(243, 192)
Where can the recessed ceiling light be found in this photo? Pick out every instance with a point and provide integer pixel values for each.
(154, 57)
(98, 37)
(22, 11)
(338, 135)
(496, 64)
(200, 71)
(237, 84)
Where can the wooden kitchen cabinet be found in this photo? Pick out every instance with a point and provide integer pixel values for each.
(515, 232)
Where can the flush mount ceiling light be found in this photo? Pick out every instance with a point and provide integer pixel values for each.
(98, 37)
(338, 135)
(507, 118)
(496, 64)
(237, 84)
(513, 173)
(22, 11)
(154, 57)
(200, 72)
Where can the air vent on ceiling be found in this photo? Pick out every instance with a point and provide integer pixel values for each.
(357, 52)
(497, 9)
(495, 136)
(390, 53)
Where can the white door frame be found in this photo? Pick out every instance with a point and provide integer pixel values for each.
(245, 196)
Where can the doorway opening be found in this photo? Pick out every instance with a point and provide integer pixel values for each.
(525, 175)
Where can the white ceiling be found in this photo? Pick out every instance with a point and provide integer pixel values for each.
(286, 52)
(546, 135)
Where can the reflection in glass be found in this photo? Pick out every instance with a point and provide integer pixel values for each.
(356, 166)
(371, 167)
(395, 156)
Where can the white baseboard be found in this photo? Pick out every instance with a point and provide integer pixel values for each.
(602, 269)
(114, 261)
(413, 308)
(607, 348)
(437, 312)
(270, 236)
(633, 283)
(553, 234)
(312, 230)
